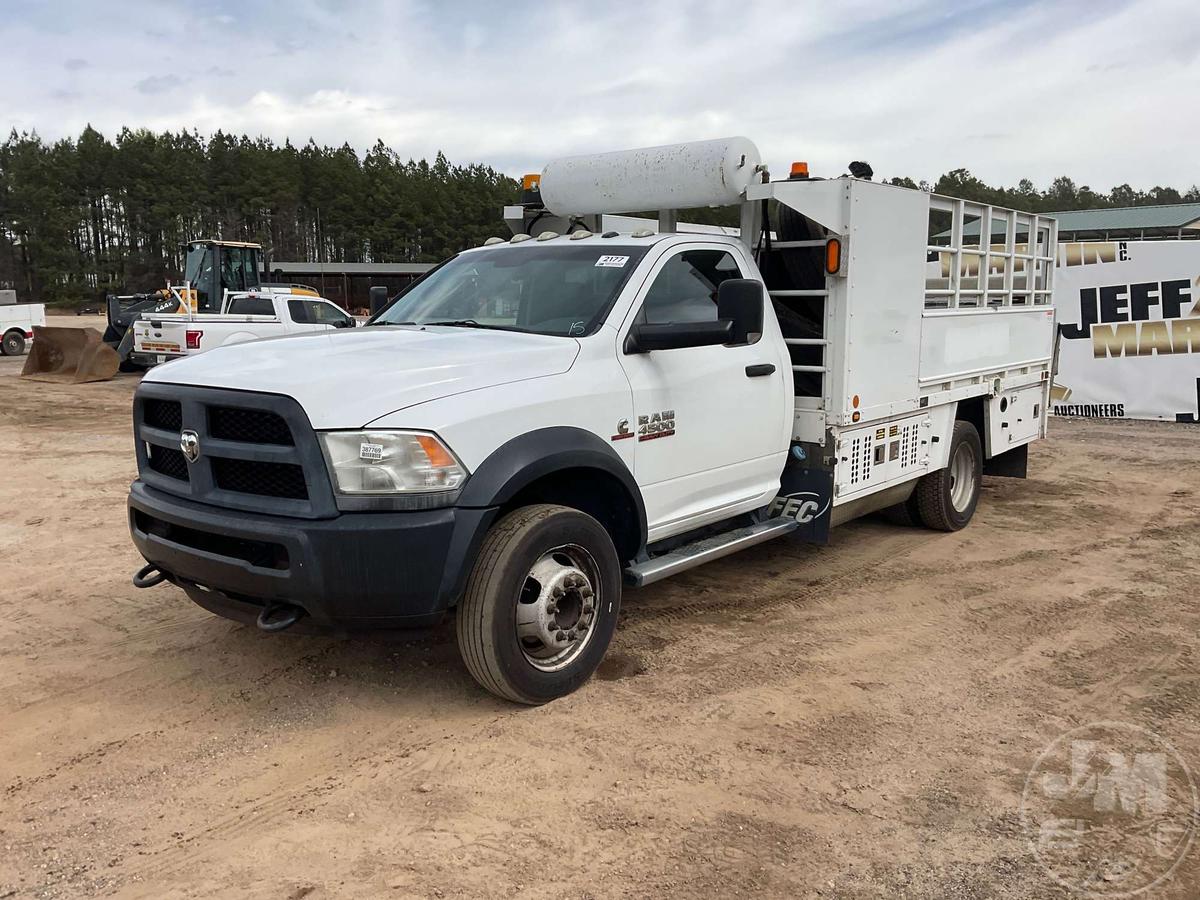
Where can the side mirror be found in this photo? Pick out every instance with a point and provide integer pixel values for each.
(740, 300)
(674, 335)
(379, 298)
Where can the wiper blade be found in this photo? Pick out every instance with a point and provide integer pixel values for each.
(461, 323)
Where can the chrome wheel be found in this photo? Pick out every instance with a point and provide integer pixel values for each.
(963, 477)
(557, 607)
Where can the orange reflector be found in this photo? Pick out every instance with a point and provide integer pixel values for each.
(799, 170)
(438, 456)
(854, 401)
(833, 256)
(857, 415)
(531, 182)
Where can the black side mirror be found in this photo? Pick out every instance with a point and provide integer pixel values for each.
(379, 298)
(740, 300)
(674, 335)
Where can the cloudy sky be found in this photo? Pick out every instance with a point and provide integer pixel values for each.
(1107, 91)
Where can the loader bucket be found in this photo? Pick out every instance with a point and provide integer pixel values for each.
(69, 356)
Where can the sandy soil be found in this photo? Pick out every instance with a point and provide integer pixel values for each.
(851, 721)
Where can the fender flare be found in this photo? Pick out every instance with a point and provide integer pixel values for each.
(524, 459)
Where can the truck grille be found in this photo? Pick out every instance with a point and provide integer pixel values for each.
(254, 426)
(169, 462)
(257, 452)
(263, 478)
(165, 414)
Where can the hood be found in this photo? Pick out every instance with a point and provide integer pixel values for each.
(347, 379)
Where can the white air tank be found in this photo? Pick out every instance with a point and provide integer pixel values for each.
(674, 176)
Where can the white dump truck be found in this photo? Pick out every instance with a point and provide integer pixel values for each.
(546, 419)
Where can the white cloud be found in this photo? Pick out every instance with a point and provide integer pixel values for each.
(1103, 90)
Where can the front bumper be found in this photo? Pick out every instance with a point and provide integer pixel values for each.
(353, 571)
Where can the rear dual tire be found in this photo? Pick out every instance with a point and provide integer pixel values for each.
(945, 500)
(541, 604)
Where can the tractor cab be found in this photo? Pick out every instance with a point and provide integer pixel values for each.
(213, 267)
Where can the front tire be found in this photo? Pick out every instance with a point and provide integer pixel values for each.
(946, 499)
(13, 344)
(541, 604)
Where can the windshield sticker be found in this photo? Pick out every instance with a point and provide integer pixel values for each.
(612, 262)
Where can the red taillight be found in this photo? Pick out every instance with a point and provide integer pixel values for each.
(193, 339)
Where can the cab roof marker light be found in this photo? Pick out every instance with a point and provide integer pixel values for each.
(580, 235)
(517, 238)
(493, 240)
(642, 233)
(547, 235)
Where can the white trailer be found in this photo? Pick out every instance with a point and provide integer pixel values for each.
(544, 418)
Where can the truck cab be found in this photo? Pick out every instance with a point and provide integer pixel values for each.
(544, 420)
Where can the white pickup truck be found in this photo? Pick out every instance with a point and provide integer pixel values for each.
(16, 326)
(245, 316)
(544, 419)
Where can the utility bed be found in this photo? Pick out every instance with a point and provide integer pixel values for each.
(907, 333)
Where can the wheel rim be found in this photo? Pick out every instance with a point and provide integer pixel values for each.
(556, 610)
(963, 478)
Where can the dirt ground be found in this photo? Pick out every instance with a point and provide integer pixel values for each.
(849, 721)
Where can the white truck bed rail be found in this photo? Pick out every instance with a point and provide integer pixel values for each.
(969, 271)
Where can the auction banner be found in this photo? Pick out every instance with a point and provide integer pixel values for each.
(1129, 330)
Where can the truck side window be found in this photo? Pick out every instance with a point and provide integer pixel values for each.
(299, 312)
(252, 306)
(326, 314)
(686, 288)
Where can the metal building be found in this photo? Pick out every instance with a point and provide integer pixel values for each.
(349, 284)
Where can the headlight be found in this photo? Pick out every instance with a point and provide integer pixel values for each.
(377, 463)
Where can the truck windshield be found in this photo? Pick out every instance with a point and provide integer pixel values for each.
(557, 290)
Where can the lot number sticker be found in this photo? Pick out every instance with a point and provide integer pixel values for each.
(612, 262)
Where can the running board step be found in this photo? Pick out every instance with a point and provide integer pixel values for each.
(696, 554)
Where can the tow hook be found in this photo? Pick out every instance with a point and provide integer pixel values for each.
(148, 576)
(278, 616)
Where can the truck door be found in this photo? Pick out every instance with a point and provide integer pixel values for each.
(710, 440)
(317, 315)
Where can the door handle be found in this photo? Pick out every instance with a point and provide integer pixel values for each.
(759, 370)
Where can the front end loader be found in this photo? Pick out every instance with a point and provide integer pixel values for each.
(210, 269)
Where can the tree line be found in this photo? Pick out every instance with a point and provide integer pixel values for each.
(1062, 195)
(83, 217)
